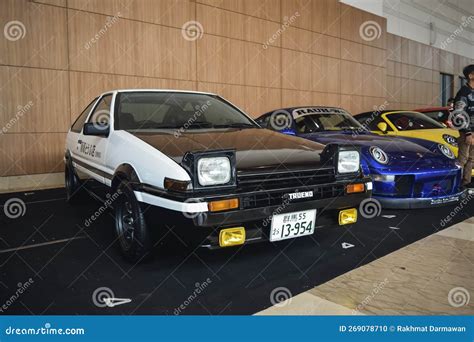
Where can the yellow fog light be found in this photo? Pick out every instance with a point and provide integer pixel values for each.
(231, 236)
(347, 216)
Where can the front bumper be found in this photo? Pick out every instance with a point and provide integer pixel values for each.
(195, 225)
(417, 203)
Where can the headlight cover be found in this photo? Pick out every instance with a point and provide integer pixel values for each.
(451, 140)
(214, 171)
(348, 162)
(446, 151)
(379, 155)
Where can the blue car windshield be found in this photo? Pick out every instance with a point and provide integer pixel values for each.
(327, 122)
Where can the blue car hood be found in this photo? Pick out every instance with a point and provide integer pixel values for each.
(402, 153)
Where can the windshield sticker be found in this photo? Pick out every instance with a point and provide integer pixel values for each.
(316, 110)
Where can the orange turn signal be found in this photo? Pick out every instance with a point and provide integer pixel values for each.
(354, 188)
(227, 204)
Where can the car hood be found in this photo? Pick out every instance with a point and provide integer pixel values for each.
(256, 149)
(388, 144)
(402, 153)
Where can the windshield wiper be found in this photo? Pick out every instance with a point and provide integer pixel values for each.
(235, 125)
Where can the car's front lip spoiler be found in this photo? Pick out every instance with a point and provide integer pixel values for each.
(416, 203)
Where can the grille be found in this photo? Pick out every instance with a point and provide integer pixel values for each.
(263, 199)
(284, 179)
(404, 185)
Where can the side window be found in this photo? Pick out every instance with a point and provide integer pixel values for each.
(101, 114)
(264, 121)
(79, 123)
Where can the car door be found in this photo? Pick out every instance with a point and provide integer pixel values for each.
(91, 149)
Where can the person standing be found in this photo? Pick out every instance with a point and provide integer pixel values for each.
(463, 119)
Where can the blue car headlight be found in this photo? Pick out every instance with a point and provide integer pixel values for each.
(446, 151)
(379, 155)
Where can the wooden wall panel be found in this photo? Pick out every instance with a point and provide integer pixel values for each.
(44, 42)
(129, 47)
(165, 12)
(261, 55)
(31, 100)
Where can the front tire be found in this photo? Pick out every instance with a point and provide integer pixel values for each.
(132, 232)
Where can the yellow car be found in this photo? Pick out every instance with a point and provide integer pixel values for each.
(410, 125)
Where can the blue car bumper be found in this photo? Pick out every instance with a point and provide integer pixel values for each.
(418, 189)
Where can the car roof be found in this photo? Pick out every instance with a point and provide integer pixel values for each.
(138, 90)
(386, 112)
(290, 109)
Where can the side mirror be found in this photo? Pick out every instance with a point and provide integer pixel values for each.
(97, 129)
(382, 126)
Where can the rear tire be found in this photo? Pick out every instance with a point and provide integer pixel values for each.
(74, 193)
(133, 235)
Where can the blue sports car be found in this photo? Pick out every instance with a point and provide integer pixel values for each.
(404, 174)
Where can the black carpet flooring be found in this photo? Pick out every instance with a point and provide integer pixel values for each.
(231, 281)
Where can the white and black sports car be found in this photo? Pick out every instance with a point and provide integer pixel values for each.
(196, 162)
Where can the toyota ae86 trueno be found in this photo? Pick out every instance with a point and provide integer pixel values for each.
(194, 163)
(404, 174)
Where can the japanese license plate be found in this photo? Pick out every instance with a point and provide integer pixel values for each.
(292, 225)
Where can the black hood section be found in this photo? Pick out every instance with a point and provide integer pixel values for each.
(256, 149)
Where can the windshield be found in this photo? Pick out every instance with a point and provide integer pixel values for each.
(169, 110)
(327, 122)
(407, 121)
